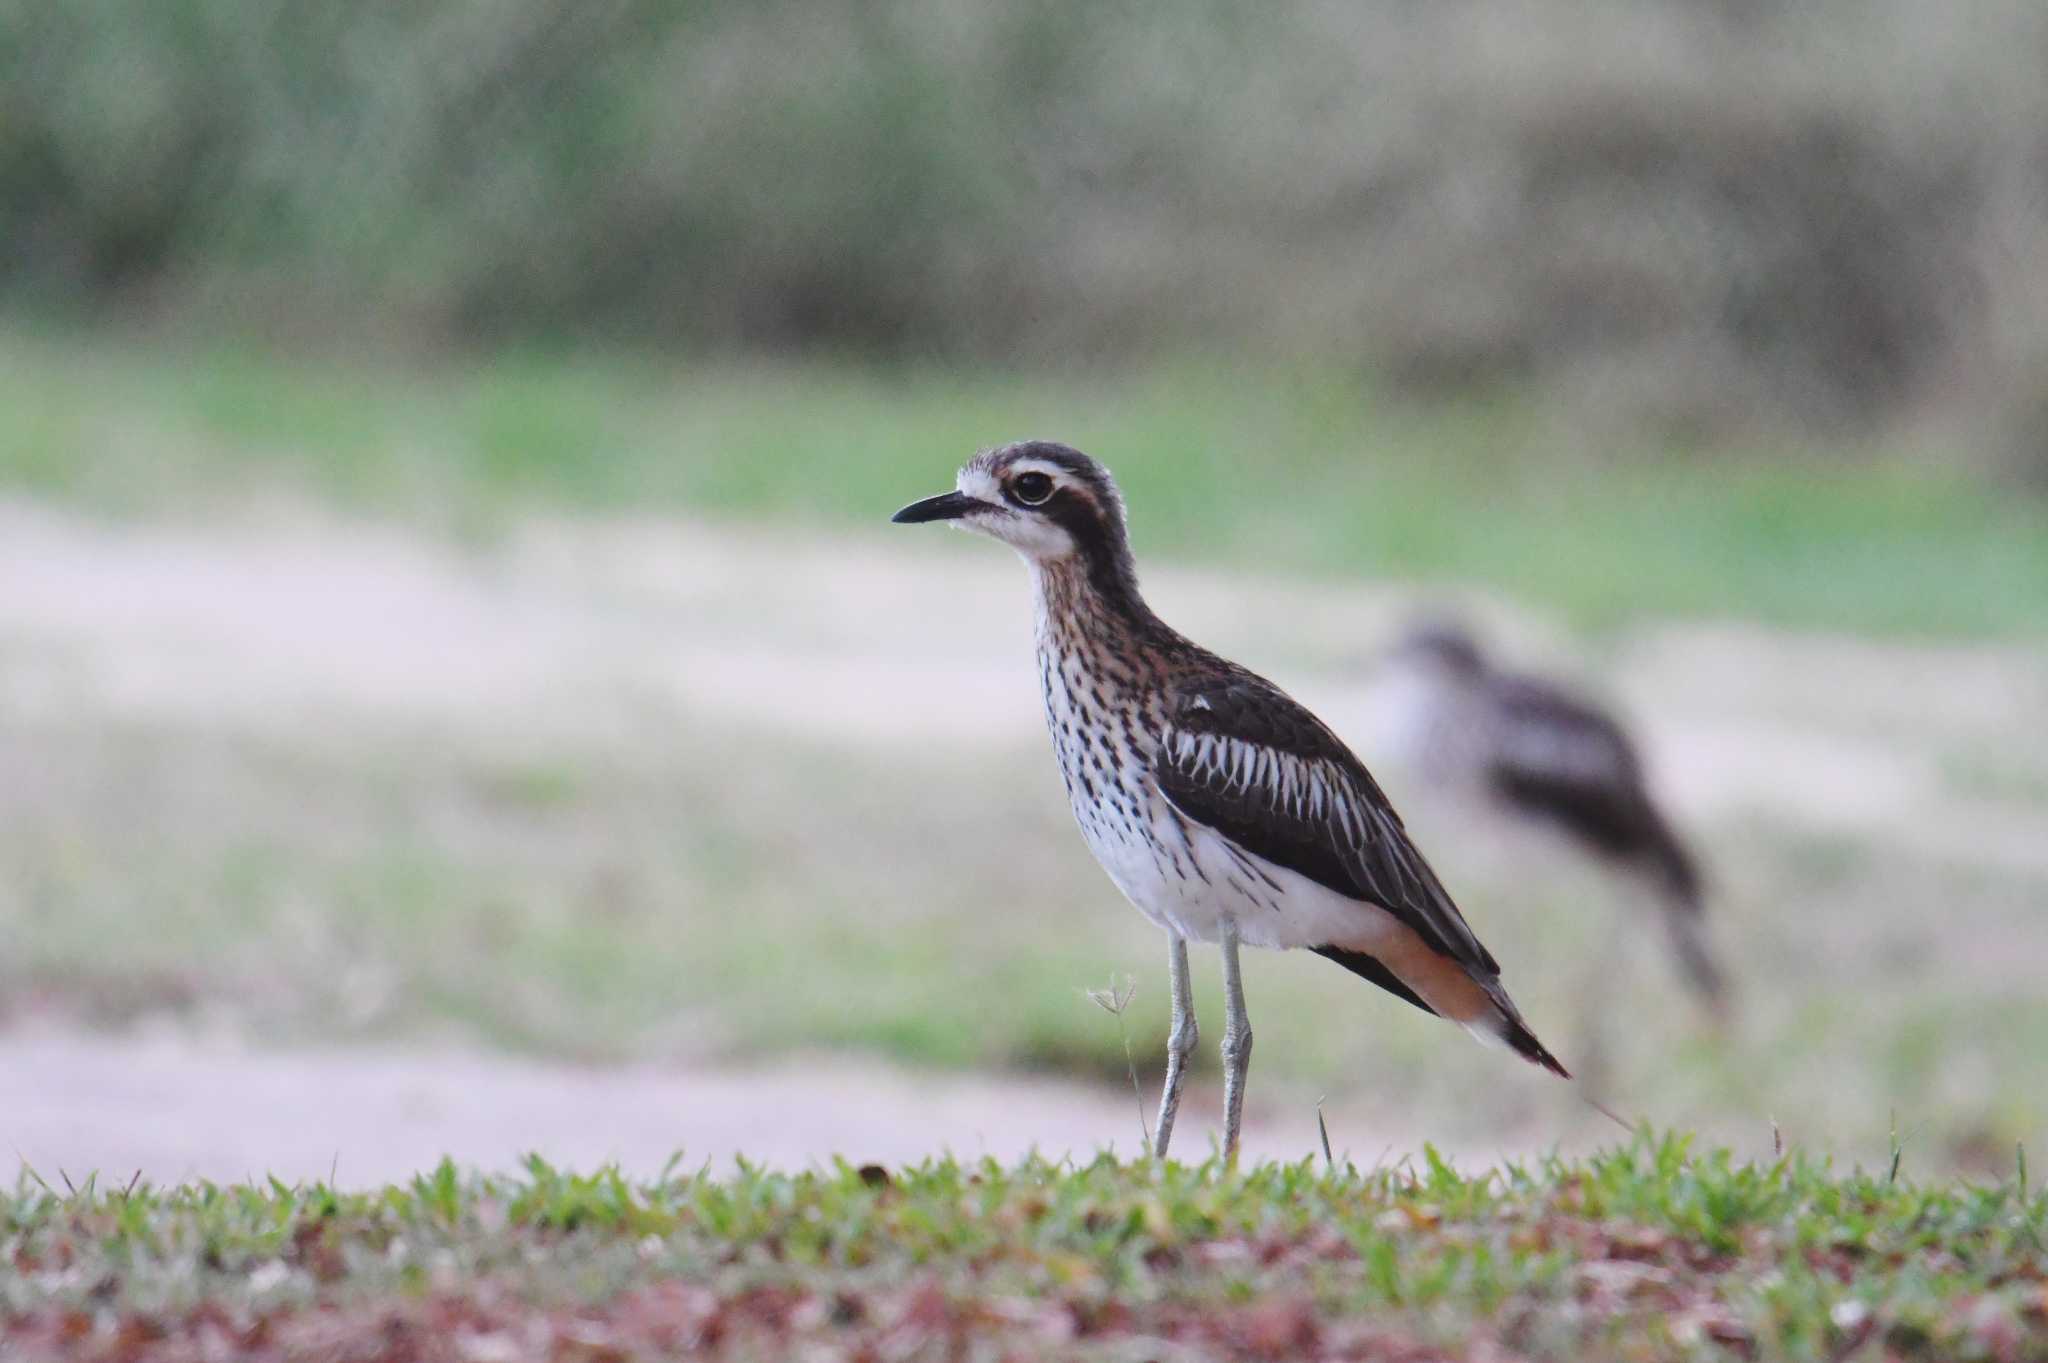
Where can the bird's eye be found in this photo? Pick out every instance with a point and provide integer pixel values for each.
(1032, 489)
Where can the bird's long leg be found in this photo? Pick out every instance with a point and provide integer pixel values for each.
(1180, 1040)
(1237, 1043)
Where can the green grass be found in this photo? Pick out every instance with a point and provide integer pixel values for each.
(1255, 467)
(1647, 1251)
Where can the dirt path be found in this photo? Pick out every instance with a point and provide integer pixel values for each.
(287, 625)
(173, 1109)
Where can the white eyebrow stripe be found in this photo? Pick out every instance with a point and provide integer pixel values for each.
(978, 482)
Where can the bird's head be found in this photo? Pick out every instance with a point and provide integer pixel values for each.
(1441, 648)
(1047, 501)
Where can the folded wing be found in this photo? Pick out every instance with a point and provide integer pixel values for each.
(1241, 757)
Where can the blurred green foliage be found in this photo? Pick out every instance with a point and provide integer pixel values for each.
(1706, 216)
(1287, 470)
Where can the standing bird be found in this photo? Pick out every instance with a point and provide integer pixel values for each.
(1541, 754)
(1222, 809)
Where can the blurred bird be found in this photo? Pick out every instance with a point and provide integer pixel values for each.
(1541, 754)
(1223, 810)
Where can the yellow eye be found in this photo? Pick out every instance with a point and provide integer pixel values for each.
(1032, 489)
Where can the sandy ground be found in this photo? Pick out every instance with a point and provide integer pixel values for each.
(295, 624)
(562, 635)
(173, 1109)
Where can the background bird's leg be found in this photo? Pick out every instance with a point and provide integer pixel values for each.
(1592, 1064)
(1237, 1042)
(1180, 1040)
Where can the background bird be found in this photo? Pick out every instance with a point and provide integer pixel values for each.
(1222, 809)
(1542, 754)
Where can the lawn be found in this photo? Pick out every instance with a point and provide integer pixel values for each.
(1224, 464)
(1647, 1251)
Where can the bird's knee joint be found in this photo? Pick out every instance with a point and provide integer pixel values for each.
(1182, 1039)
(1237, 1046)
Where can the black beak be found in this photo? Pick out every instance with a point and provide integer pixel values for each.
(947, 506)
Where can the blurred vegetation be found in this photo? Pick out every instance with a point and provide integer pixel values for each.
(1276, 470)
(1710, 218)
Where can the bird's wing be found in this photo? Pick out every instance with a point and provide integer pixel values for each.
(1241, 757)
(1565, 760)
(1562, 758)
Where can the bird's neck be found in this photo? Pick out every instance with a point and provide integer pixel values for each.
(1092, 610)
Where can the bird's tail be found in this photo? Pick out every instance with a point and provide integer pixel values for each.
(1507, 1025)
(1681, 895)
(1523, 1042)
(1435, 983)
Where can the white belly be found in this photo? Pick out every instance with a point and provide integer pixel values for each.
(1189, 879)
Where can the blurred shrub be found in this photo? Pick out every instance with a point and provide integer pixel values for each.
(1821, 211)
